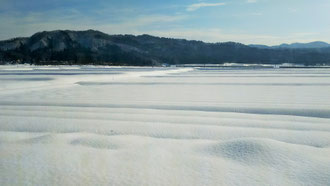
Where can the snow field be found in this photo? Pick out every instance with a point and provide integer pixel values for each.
(145, 126)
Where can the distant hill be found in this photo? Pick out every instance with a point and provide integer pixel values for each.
(260, 46)
(311, 45)
(316, 44)
(94, 47)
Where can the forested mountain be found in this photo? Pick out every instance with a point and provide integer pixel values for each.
(311, 45)
(94, 47)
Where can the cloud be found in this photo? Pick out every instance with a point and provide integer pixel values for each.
(251, 1)
(196, 6)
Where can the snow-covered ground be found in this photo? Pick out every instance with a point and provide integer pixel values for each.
(164, 126)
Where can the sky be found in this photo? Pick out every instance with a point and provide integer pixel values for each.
(269, 22)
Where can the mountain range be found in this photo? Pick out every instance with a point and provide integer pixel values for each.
(95, 47)
(315, 44)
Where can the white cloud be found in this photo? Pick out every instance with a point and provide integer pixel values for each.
(196, 6)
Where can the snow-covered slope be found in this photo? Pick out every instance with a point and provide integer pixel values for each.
(163, 126)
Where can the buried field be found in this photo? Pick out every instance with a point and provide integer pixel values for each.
(164, 126)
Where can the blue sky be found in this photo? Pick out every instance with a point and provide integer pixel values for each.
(247, 21)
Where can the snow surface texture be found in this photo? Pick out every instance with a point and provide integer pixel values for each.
(164, 126)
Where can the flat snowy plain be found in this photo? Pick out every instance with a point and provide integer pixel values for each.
(164, 126)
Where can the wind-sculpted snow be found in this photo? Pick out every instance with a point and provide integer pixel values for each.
(164, 126)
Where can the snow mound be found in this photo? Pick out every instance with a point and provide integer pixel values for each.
(95, 142)
(244, 150)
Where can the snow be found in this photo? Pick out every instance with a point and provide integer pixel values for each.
(94, 125)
